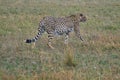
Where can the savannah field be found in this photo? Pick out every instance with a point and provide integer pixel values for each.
(95, 58)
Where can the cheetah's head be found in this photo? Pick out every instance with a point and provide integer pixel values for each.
(82, 18)
(78, 17)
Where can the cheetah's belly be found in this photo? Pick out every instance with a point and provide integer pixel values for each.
(63, 30)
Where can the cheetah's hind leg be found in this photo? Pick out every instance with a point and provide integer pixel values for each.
(66, 39)
(50, 37)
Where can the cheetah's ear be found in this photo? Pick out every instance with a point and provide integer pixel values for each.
(81, 14)
(72, 15)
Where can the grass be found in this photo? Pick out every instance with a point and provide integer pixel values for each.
(97, 58)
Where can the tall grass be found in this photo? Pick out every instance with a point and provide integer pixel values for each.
(69, 56)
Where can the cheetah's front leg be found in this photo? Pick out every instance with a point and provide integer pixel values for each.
(81, 38)
(77, 32)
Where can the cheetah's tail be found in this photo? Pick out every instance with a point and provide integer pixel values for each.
(35, 38)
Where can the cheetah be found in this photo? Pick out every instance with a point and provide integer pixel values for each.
(59, 26)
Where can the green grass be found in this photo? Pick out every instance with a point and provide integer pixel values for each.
(97, 58)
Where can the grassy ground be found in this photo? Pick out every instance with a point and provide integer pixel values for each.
(98, 58)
